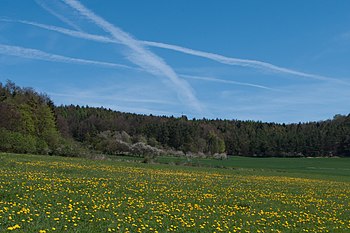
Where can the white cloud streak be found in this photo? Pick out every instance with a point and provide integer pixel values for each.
(72, 33)
(43, 4)
(210, 79)
(110, 97)
(212, 56)
(105, 39)
(239, 62)
(40, 55)
(140, 56)
(80, 98)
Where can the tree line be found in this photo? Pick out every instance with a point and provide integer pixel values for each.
(31, 123)
(207, 137)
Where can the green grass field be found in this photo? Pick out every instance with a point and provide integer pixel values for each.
(55, 194)
(322, 168)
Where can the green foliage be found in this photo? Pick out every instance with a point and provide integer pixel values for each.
(215, 144)
(17, 142)
(70, 148)
(31, 114)
(27, 122)
(244, 138)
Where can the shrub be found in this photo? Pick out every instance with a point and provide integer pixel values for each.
(17, 142)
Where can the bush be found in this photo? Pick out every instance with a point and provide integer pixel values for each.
(42, 147)
(146, 151)
(17, 142)
(70, 148)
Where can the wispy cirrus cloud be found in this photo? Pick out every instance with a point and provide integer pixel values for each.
(41, 55)
(141, 56)
(126, 102)
(120, 107)
(43, 4)
(296, 104)
(72, 33)
(211, 79)
(242, 62)
(92, 95)
(345, 36)
(261, 65)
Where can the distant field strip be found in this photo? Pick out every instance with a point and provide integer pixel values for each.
(329, 168)
(54, 194)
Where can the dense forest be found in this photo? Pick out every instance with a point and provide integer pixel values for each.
(31, 123)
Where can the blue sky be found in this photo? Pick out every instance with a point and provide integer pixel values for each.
(273, 61)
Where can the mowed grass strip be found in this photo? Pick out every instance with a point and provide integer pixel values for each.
(337, 169)
(56, 194)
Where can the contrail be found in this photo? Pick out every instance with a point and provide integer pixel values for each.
(139, 55)
(40, 55)
(43, 4)
(240, 62)
(212, 56)
(77, 34)
(226, 81)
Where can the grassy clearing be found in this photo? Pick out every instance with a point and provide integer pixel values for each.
(55, 194)
(322, 168)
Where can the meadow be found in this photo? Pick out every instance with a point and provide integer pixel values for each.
(58, 194)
